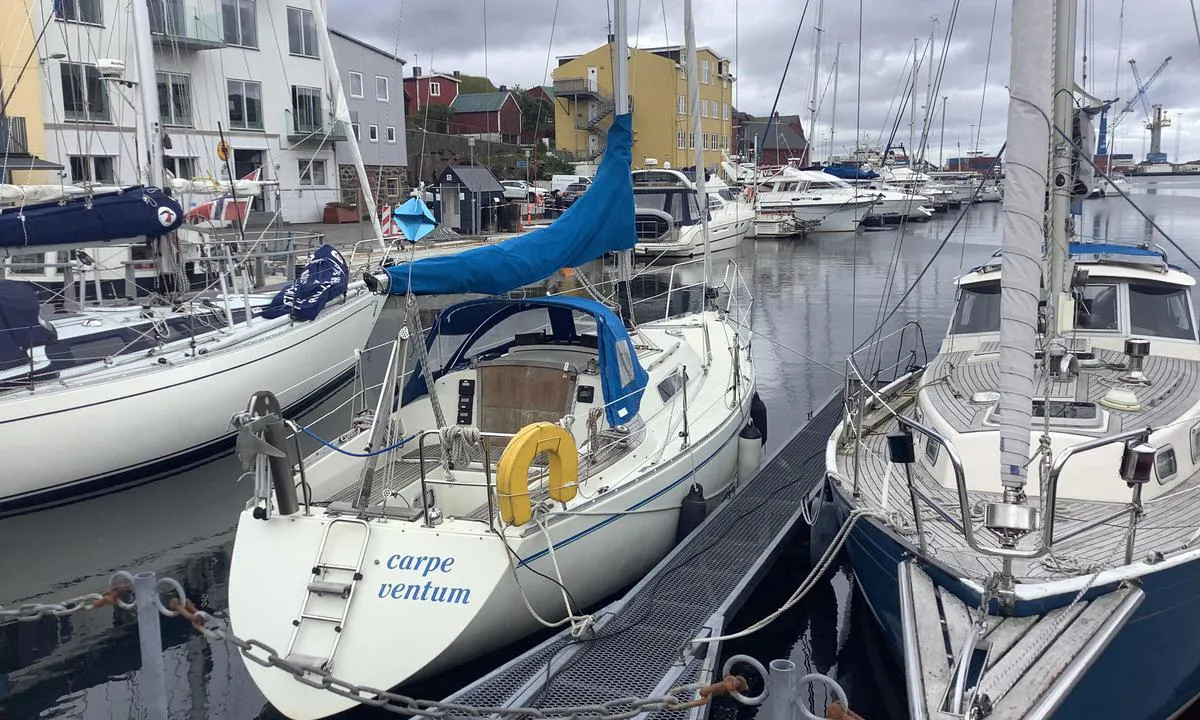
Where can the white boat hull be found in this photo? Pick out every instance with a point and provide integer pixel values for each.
(843, 217)
(143, 419)
(725, 232)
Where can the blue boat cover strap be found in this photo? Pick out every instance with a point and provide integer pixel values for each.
(600, 221)
(325, 277)
(87, 221)
(623, 379)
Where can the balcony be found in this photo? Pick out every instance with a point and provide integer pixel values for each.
(302, 130)
(577, 88)
(13, 139)
(186, 27)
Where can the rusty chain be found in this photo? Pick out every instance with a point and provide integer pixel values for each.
(216, 630)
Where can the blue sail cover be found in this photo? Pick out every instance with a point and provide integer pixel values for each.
(848, 172)
(600, 221)
(324, 278)
(135, 212)
(623, 379)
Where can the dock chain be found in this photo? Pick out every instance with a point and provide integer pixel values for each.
(120, 594)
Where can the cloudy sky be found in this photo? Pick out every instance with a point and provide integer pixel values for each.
(515, 42)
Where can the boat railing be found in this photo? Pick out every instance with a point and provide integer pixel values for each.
(869, 396)
(738, 300)
(430, 515)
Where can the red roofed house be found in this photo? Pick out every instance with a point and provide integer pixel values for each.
(495, 113)
(433, 89)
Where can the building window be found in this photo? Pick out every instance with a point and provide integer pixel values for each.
(391, 134)
(245, 104)
(691, 141)
(703, 107)
(356, 84)
(682, 105)
(302, 33)
(682, 140)
(93, 169)
(312, 173)
(381, 89)
(435, 88)
(80, 11)
(724, 111)
(239, 20)
(704, 68)
(84, 96)
(354, 125)
(175, 99)
(373, 133)
(682, 69)
(181, 167)
(391, 186)
(306, 109)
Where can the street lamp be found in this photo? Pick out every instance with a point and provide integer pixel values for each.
(528, 154)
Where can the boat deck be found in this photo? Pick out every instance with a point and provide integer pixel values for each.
(639, 645)
(1166, 524)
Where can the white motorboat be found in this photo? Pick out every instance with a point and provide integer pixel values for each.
(668, 215)
(792, 202)
(422, 536)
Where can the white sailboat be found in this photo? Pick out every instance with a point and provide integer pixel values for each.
(100, 397)
(1026, 533)
(423, 539)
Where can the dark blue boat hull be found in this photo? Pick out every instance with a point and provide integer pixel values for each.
(1150, 671)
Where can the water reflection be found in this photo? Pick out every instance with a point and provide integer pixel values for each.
(813, 300)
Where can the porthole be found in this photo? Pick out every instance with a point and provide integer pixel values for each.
(1165, 465)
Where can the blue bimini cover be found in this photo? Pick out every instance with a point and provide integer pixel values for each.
(600, 221)
(623, 379)
(324, 278)
(86, 221)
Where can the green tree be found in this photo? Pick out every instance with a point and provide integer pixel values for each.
(550, 165)
(537, 114)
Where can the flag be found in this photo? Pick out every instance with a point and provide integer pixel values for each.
(224, 207)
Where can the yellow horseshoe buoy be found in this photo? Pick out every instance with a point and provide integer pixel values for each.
(512, 475)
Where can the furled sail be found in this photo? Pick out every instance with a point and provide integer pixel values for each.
(600, 221)
(88, 221)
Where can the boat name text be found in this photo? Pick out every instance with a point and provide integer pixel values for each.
(427, 592)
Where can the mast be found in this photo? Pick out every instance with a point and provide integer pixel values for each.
(818, 31)
(927, 120)
(150, 164)
(342, 113)
(689, 33)
(1060, 194)
(912, 103)
(837, 70)
(1026, 157)
(621, 106)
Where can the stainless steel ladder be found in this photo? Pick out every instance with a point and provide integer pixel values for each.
(333, 579)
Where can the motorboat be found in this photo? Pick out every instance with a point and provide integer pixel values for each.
(668, 215)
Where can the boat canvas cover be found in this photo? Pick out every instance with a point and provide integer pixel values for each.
(20, 326)
(623, 379)
(324, 278)
(600, 221)
(86, 221)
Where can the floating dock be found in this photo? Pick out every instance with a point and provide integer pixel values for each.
(640, 645)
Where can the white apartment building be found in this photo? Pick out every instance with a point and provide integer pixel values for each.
(252, 68)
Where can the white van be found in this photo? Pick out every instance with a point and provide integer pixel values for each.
(560, 182)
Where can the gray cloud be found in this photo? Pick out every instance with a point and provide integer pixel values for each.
(513, 46)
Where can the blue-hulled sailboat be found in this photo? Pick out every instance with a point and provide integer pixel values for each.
(1024, 507)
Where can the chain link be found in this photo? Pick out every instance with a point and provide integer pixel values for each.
(216, 630)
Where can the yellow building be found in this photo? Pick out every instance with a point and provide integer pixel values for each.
(22, 132)
(662, 123)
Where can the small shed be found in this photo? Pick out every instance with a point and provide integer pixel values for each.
(469, 198)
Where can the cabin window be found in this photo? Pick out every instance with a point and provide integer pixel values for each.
(88, 348)
(932, 450)
(1195, 443)
(673, 383)
(978, 309)
(1097, 308)
(1160, 310)
(1165, 464)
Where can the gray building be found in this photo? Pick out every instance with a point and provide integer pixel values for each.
(373, 81)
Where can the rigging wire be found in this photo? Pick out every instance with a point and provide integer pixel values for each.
(987, 66)
(857, 136)
(779, 91)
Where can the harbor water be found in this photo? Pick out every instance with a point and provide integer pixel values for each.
(814, 298)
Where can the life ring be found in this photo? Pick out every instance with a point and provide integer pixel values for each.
(512, 473)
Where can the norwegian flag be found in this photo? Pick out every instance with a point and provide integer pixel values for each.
(224, 207)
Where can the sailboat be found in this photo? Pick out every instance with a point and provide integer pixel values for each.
(1059, 582)
(423, 538)
(97, 397)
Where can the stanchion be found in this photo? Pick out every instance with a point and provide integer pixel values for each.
(152, 682)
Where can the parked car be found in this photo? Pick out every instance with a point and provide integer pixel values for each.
(521, 191)
(560, 182)
(572, 193)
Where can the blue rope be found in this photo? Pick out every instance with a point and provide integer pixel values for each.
(331, 446)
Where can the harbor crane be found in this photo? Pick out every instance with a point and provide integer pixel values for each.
(1155, 119)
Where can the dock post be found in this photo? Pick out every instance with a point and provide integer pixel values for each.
(781, 691)
(152, 685)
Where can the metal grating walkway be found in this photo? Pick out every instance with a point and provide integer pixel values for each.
(637, 645)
